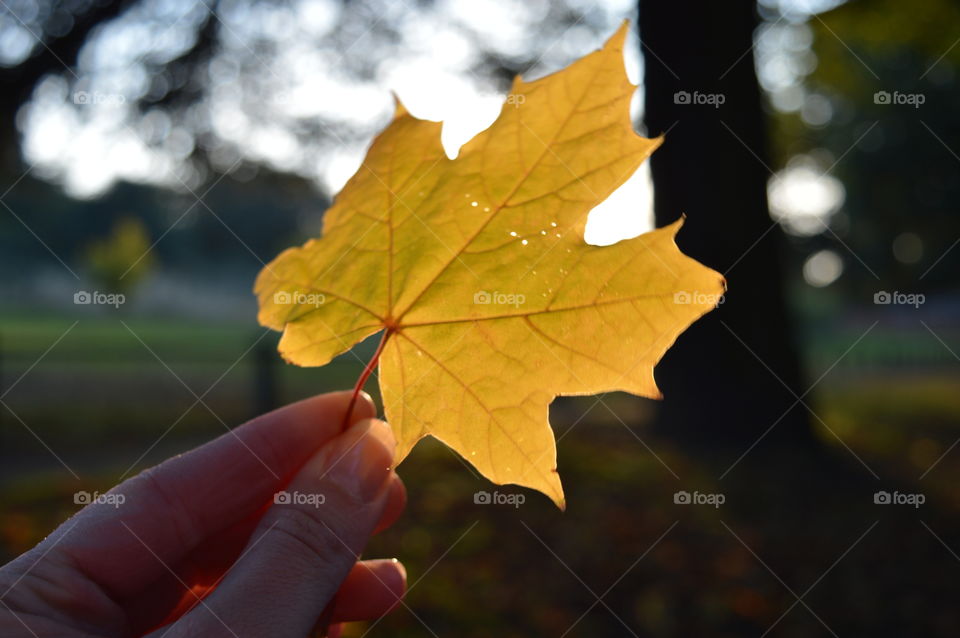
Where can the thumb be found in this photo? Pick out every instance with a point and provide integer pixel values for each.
(306, 543)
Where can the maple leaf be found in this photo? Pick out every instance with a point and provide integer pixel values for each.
(490, 302)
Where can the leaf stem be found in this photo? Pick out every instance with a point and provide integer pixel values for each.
(362, 380)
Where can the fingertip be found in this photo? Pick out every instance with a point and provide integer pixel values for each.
(396, 503)
(402, 570)
(331, 408)
(365, 408)
(324, 411)
(371, 590)
(394, 574)
(391, 573)
(378, 430)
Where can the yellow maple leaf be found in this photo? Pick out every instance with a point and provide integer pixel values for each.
(490, 302)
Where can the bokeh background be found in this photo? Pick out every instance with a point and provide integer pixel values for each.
(163, 150)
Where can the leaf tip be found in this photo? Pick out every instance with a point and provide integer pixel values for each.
(616, 41)
(556, 491)
(399, 110)
(675, 226)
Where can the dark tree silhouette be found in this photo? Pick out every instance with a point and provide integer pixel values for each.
(733, 375)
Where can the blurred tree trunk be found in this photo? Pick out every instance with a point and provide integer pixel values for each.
(712, 168)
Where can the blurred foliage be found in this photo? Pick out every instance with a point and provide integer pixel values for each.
(119, 262)
(181, 67)
(898, 162)
(190, 74)
(885, 30)
(242, 221)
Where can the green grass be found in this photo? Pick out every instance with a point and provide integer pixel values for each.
(99, 385)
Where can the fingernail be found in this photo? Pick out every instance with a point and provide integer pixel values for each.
(366, 465)
(362, 397)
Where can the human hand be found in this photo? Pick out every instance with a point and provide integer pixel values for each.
(199, 548)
